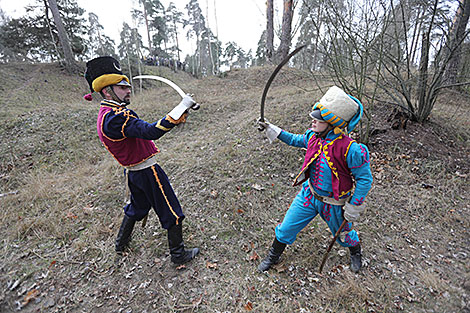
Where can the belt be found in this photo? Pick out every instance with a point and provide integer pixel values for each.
(143, 165)
(327, 200)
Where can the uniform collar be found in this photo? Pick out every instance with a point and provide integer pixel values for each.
(112, 103)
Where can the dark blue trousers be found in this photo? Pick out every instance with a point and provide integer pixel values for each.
(149, 188)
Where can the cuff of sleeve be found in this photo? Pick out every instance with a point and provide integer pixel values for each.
(182, 119)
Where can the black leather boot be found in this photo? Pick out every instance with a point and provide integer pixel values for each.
(274, 254)
(179, 255)
(124, 235)
(356, 258)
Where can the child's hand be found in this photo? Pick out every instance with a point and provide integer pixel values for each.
(272, 131)
(263, 124)
(352, 212)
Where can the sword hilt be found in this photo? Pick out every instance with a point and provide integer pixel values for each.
(261, 128)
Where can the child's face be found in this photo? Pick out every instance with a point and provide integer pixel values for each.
(318, 126)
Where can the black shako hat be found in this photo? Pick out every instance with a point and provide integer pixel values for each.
(104, 71)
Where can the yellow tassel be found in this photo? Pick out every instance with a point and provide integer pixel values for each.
(338, 130)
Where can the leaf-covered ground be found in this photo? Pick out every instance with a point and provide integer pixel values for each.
(61, 196)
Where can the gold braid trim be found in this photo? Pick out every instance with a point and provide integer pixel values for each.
(182, 119)
(155, 174)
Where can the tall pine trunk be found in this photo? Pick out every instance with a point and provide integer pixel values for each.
(456, 38)
(284, 47)
(148, 29)
(70, 64)
(269, 30)
(177, 42)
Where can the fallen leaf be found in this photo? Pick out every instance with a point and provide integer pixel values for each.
(240, 211)
(70, 215)
(52, 263)
(32, 294)
(254, 256)
(198, 301)
(211, 265)
(249, 306)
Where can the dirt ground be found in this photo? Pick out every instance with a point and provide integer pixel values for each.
(62, 198)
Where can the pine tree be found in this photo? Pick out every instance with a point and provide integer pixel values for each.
(197, 27)
(99, 43)
(129, 48)
(174, 18)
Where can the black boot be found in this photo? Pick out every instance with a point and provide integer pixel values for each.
(124, 235)
(175, 240)
(356, 258)
(273, 255)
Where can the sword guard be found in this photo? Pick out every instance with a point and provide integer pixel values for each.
(261, 127)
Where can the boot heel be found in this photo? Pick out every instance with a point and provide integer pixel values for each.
(273, 257)
(124, 235)
(179, 255)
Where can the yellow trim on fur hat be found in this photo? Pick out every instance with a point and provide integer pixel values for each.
(107, 80)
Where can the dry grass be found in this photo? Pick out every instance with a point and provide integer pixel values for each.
(58, 229)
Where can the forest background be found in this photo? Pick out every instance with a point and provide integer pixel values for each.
(406, 61)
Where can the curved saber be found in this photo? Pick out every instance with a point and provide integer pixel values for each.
(271, 78)
(164, 80)
(169, 83)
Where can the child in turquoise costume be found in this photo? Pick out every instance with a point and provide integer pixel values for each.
(333, 164)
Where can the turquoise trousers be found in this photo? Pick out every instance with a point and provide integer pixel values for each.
(304, 209)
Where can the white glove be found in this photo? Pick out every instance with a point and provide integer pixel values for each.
(272, 131)
(352, 212)
(182, 107)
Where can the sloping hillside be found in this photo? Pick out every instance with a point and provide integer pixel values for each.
(62, 198)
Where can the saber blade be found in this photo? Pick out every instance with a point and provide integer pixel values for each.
(163, 80)
(271, 78)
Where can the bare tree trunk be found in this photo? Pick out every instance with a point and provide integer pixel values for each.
(139, 57)
(70, 64)
(177, 43)
(209, 38)
(129, 65)
(199, 60)
(423, 73)
(423, 70)
(147, 26)
(50, 29)
(269, 30)
(217, 36)
(457, 34)
(284, 47)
